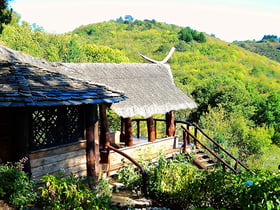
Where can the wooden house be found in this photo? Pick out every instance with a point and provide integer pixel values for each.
(66, 90)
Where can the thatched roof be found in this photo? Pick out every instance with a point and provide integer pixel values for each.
(149, 87)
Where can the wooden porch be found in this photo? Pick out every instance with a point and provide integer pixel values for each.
(188, 138)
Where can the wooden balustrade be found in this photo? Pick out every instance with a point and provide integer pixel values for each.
(191, 131)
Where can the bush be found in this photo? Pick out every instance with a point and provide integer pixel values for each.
(15, 186)
(187, 34)
(58, 191)
(177, 184)
(70, 192)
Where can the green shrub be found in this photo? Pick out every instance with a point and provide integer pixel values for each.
(187, 34)
(15, 186)
(177, 184)
(130, 176)
(262, 193)
(70, 192)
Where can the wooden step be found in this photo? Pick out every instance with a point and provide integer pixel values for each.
(210, 165)
(205, 160)
(198, 151)
(202, 155)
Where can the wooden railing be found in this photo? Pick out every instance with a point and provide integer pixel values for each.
(138, 121)
(190, 131)
(142, 170)
(197, 142)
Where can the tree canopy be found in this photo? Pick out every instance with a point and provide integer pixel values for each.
(5, 14)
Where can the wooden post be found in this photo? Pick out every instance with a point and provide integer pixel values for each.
(104, 137)
(138, 128)
(188, 136)
(184, 142)
(21, 135)
(151, 129)
(128, 132)
(91, 135)
(170, 123)
(194, 141)
(122, 135)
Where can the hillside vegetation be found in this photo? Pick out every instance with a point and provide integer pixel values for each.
(237, 91)
(269, 46)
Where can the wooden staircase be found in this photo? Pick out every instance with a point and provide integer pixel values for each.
(203, 156)
(203, 161)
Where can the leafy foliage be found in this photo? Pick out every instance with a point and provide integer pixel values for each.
(269, 46)
(5, 14)
(15, 186)
(58, 191)
(187, 34)
(70, 192)
(52, 47)
(177, 184)
(270, 38)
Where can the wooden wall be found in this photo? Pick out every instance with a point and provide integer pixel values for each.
(70, 158)
(5, 135)
(143, 151)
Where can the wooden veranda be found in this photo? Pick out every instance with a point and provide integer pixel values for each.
(188, 138)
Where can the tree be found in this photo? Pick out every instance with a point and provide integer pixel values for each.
(269, 113)
(128, 18)
(270, 38)
(119, 20)
(186, 34)
(5, 14)
(201, 38)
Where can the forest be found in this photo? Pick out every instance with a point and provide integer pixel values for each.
(237, 91)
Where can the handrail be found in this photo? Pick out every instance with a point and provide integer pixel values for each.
(218, 145)
(186, 139)
(209, 150)
(137, 120)
(142, 170)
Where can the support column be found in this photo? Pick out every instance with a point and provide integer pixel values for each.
(104, 127)
(21, 136)
(91, 135)
(104, 137)
(122, 135)
(128, 132)
(170, 123)
(151, 129)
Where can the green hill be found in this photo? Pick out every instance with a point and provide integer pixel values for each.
(266, 47)
(237, 91)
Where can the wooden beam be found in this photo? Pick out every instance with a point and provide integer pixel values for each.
(170, 123)
(128, 132)
(92, 146)
(151, 129)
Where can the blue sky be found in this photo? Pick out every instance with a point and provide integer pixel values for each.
(228, 20)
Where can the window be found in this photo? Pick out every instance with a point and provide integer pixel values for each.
(53, 126)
